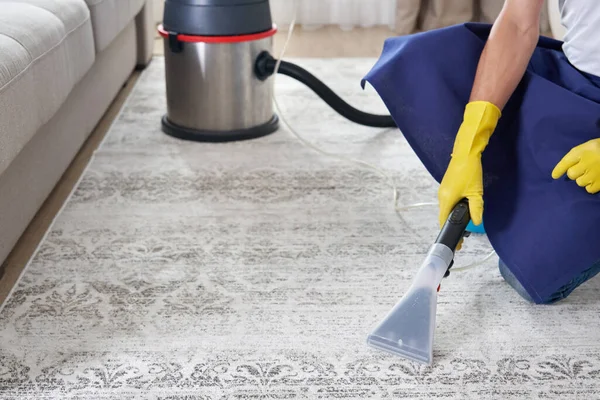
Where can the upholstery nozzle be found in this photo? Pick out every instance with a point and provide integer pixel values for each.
(408, 329)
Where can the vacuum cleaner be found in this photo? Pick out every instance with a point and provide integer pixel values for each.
(219, 67)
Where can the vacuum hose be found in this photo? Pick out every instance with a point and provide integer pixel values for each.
(265, 67)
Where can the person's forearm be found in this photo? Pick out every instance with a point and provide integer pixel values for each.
(504, 60)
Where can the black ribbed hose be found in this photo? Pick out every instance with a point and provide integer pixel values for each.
(265, 67)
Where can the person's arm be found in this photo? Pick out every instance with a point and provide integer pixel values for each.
(509, 48)
(501, 67)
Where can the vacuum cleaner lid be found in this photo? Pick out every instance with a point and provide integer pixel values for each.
(217, 17)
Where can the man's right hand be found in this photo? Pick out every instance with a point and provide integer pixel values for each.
(464, 176)
(463, 180)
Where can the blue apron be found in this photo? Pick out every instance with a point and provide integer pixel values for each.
(546, 231)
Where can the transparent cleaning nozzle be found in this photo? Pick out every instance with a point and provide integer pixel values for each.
(408, 328)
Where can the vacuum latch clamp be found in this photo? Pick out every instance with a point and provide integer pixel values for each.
(175, 45)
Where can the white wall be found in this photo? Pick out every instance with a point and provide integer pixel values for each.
(558, 31)
(317, 12)
(159, 6)
(353, 12)
(347, 13)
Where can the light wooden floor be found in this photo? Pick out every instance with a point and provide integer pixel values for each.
(326, 42)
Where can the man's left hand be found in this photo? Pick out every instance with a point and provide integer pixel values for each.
(582, 164)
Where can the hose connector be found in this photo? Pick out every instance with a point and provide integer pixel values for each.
(264, 66)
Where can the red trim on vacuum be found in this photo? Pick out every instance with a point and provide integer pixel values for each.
(219, 39)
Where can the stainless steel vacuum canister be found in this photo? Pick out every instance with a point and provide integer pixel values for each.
(213, 93)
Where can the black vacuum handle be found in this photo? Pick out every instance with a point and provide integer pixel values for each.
(454, 229)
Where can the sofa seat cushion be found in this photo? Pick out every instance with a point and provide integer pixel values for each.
(46, 47)
(110, 17)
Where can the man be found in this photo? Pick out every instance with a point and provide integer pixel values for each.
(503, 62)
(528, 116)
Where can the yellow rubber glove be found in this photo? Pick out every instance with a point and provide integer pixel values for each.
(582, 164)
(464, 176)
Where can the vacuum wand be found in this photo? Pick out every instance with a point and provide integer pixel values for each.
(409, 327)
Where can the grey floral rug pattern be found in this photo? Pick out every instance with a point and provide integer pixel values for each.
(255, 270)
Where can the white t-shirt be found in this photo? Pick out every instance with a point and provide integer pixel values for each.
(581, 19)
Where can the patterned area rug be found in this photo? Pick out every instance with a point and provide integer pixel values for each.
(255, 270)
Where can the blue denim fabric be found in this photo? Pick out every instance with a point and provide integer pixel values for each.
(513, 281)
(561, 294)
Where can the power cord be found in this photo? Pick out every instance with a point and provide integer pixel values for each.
(396, 194)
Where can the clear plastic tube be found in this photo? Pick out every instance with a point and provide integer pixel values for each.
(396, 195)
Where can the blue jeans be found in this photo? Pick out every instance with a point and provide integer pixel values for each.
(561, 294)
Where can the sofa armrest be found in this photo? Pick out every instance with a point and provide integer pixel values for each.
(146, 32)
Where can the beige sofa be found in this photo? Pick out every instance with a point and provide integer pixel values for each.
(62, 62)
